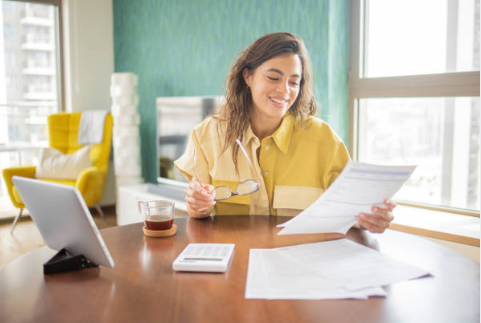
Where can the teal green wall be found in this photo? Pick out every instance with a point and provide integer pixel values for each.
(185, 47)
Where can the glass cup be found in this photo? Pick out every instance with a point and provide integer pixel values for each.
(158, 215)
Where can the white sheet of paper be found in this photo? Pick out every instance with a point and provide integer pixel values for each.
(272, 275)
(352, 265)
(358, 187)
(325, 270)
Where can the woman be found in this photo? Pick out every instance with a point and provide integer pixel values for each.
(291, 154)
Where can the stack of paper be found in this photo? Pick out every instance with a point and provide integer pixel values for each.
(357, 189)
(324, 270)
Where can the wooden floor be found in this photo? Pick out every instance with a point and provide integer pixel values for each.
(26, 237)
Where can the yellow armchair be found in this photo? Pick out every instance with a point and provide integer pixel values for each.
(63, 135)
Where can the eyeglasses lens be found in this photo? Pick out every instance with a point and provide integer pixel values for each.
(248, 187)
(222, 193)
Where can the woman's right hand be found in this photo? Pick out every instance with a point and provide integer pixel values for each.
(200, 199)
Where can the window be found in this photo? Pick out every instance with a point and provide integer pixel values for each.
(37, 35)
(420, 37)
(10, 58)
(29, 80)
(9, 32)
(38, 60)
(414, 96)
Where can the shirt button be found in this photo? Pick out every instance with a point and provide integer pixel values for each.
(266, 173)
(267, 147)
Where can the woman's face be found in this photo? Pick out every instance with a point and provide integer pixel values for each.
(274, 86)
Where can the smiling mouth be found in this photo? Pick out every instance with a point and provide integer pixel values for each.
(278, 101)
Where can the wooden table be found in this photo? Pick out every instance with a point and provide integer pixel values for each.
(143, 287)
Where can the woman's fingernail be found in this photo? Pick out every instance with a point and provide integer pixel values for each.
(388, 201)
(375, 209)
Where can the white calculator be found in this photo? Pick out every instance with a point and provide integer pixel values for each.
(205, 257)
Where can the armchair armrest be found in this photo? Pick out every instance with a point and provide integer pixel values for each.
(8, 173)
(91, 183)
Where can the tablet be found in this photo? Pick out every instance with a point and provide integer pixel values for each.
(63, 219)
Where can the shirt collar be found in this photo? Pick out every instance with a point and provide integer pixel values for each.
(282, 135)
(249, 134)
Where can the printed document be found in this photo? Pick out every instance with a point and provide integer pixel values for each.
(324, 270)
(357, 189)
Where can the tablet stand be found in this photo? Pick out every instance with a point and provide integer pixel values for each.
(64, 261)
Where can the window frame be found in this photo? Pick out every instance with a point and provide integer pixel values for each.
(457, 84)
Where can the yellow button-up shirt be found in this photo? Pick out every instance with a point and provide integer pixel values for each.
(294, 167)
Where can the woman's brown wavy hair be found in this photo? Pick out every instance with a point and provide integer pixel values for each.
(238, 106)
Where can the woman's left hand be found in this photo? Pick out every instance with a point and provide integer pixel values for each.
(380, 218)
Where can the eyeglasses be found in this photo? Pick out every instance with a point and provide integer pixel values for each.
(245, 188)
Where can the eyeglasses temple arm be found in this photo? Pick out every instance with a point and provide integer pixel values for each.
(248, 159)
(196, 177)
